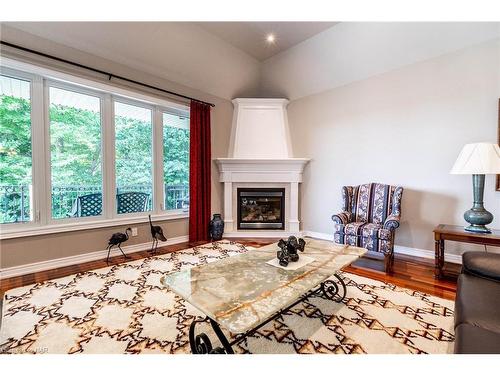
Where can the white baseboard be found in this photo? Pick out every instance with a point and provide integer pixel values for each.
(422, 253)
(81, 258)
(318, 235)
(452, 258)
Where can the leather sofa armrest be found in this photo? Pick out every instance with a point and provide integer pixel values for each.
(392, 222)
(485, 265)
(343, 218)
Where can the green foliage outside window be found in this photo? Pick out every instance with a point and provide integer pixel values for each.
(15, 141)
(175, 164)
(76, 152)
(15, 159)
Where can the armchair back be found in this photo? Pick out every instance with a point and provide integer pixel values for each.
(372, 203)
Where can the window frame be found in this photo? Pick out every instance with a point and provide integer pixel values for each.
(41, 79)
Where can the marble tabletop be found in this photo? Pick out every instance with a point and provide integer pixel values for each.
(242, 291)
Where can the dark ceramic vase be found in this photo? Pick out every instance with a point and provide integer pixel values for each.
(216, 228)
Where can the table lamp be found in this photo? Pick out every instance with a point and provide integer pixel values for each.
(478, 159)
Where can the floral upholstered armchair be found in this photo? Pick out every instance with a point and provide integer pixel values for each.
(370, 215)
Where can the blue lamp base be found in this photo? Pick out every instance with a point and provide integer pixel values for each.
(478, 217)
(478, 229)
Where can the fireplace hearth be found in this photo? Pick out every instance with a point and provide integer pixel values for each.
(261, 208)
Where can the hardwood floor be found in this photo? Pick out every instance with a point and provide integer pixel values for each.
(409, 272)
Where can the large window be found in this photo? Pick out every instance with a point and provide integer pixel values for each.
(15, 151)
(79, 154)
(75, 154)
(176, 161)
(134, 155)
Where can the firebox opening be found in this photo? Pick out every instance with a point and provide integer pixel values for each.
(261, 208)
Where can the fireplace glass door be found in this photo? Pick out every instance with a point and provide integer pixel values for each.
(261, 208)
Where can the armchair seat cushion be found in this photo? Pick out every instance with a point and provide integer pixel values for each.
(366, 230)
(370, 229)
(353, 229)
(376, 230)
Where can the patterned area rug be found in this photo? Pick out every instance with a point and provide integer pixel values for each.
(124, 309)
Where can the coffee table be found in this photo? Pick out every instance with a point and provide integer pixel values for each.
(242, 293)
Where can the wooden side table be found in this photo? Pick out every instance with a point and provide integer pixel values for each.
(444, 232)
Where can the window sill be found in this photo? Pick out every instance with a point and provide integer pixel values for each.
(32, 230)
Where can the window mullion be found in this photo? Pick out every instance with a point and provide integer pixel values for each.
(158, 191)
(41, 152)
(47, 198)
(108, 157)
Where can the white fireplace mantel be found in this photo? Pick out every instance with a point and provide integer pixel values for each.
(259, 173)
(261, 170)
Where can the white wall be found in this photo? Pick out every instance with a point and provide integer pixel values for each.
(353, 51)
(404, 127)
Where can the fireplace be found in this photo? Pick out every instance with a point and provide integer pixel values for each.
(261, 208)
(260, 172)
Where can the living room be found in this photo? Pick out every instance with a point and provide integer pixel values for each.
(283, 185)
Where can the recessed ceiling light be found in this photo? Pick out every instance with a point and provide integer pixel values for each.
(270, 38)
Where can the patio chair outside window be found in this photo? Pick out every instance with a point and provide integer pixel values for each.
(132, 202)
(88, 205)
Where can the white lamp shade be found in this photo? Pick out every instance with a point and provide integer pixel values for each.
(478, 158)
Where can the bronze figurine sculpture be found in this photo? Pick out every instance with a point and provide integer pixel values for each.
(116, 240)
(157, 234)
(289, 250)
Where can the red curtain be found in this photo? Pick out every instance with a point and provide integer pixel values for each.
(200, 162)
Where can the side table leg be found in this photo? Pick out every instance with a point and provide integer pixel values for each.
(438, 258)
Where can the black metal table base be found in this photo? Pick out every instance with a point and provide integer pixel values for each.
(201, 344)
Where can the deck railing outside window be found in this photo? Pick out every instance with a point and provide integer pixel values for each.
(15, 201)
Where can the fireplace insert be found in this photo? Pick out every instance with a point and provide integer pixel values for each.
(261, 208)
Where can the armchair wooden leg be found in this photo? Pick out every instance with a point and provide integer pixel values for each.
(387, 263)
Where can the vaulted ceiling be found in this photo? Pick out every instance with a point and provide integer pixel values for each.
(251, 36)
(220, 58)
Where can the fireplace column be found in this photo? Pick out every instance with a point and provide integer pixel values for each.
(228, 206)
(294, 207)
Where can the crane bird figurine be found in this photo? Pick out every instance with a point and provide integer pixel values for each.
(116, 240)
(157, 234)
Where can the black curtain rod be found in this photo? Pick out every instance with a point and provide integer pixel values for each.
(109, 75)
